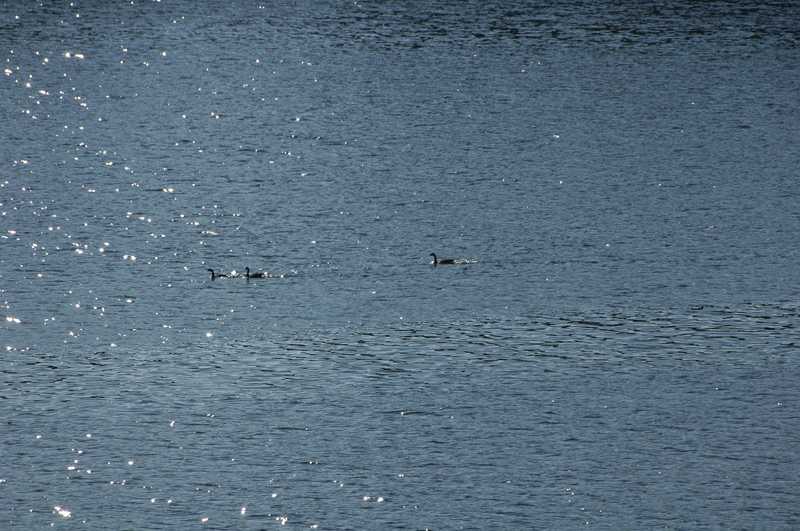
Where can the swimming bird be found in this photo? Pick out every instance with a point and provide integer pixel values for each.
(254, 275)
(213, 275)
(445, 261)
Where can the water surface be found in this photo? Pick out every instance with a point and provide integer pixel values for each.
(617, 347)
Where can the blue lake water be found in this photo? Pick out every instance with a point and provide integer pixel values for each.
(616, 347)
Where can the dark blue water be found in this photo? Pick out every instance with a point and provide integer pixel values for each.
(616, 347)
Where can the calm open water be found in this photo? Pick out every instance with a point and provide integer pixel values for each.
(617, 348)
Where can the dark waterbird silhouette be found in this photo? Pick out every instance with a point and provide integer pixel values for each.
(214, 275)
(445, 261)
(254, 275)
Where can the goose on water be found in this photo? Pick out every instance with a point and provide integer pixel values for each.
(445, 261)
(254, 275)
(214, 275)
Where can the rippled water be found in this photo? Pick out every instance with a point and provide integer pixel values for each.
(616, 349)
